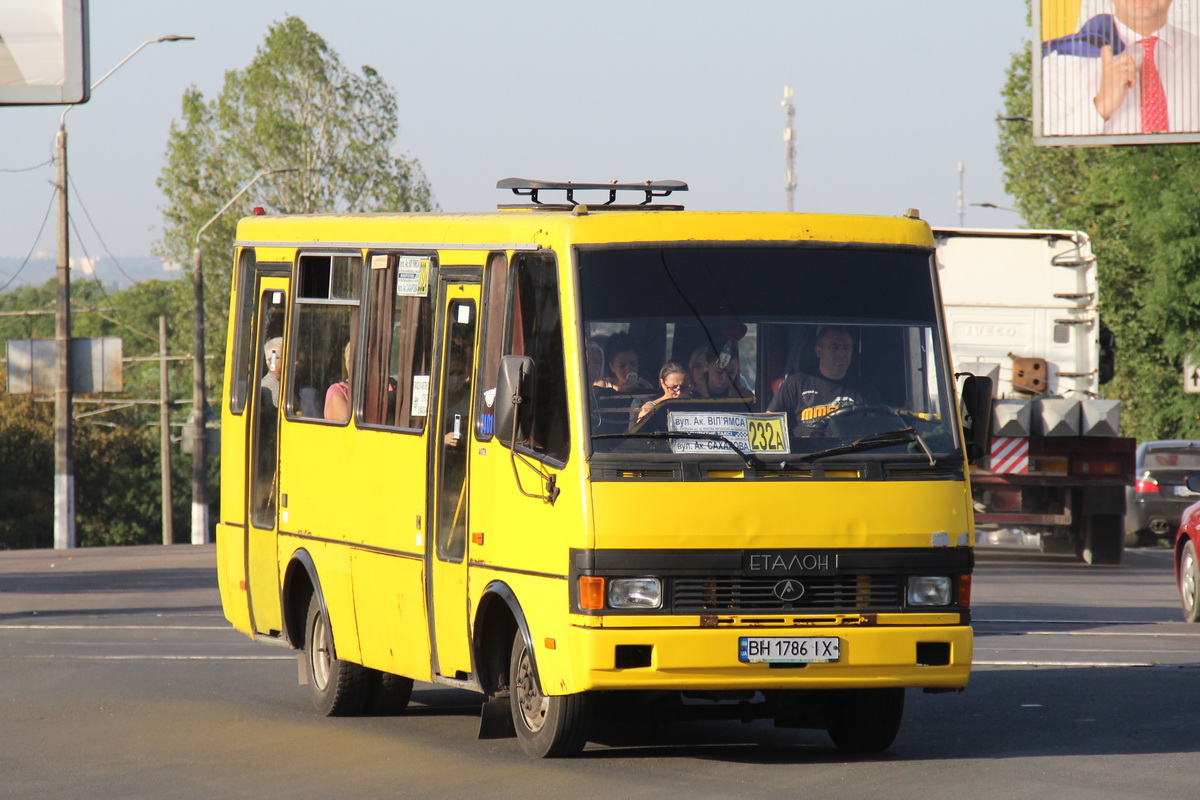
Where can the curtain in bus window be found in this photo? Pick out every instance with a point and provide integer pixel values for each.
(492, 343)
(398, 350)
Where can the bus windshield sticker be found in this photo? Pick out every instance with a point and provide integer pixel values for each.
(753, 433)
(412, 276)
(420, 396)
(379, 261)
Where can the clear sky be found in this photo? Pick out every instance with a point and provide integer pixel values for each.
(890, 96)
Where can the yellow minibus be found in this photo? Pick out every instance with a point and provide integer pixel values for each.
(593, 447)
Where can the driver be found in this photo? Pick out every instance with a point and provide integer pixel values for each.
(808, 397)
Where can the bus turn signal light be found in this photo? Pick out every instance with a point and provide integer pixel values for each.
(591, 593)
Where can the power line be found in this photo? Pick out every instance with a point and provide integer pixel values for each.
(27, 169)
(88, 216)
(32, 247)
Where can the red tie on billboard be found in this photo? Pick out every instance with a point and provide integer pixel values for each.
(1154, 100)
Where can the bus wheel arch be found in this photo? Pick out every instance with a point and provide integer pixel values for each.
(497, 620)
(300, 585)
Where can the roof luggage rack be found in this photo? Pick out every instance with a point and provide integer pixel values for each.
(524, 187)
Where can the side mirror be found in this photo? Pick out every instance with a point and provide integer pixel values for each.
(1192, 482)
(975, 405)
(514, 400)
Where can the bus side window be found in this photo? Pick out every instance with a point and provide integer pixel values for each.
(243, 347)
(326, 324)
(536, 331)
(491, 344)
(398, 342)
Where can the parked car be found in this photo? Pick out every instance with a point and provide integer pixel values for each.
(1158, 497)
(1187, 568)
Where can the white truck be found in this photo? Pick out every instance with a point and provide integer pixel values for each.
(1022, 308)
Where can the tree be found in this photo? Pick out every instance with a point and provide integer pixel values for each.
(1141, 207)
(294, 107)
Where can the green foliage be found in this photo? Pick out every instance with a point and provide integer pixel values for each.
(116, 453)
(1141, 207)
(26, 473)
(295, 106)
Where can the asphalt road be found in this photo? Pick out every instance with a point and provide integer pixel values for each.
(120, 678)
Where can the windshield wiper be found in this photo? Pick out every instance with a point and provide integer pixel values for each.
(875, 440)
(751, 460)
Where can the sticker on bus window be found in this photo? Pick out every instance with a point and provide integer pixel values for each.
(752, 433)
(412, 276)
(420, 396)
(379, 261)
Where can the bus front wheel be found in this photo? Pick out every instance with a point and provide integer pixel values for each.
(337, 688)
(864, 720)
(547, 727)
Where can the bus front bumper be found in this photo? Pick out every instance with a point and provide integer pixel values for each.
(934, 657)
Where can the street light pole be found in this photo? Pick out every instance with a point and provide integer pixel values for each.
(64, 462)
(197, 427)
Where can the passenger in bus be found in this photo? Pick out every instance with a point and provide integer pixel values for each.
(710, 378)
(806, 397)
(621, 366)
(672, 378)
(337, 396)
(273, 353)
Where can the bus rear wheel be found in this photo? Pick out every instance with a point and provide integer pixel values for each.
(864, 720)
(337, 688)
(547, 727)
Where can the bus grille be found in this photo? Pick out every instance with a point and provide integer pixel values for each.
(824, 592)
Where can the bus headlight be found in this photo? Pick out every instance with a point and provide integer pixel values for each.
(634, 593)
(929, 590)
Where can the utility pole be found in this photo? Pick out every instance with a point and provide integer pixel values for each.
(197, 426)
(64, 461)
(789, 173)
(164, 420)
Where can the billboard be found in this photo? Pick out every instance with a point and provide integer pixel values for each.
(1116, 72)
(43, 52)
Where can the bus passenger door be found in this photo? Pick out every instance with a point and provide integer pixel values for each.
(451, 442)
(262, 467)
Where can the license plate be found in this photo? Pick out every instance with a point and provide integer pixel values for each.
(788, 649)
(1183, 491)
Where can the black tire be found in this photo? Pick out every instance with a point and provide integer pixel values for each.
(389, 694)
(547, 727)
(864, 720)
(1142, 538)
(1103, 540)
(337, 688)
(1189, 582)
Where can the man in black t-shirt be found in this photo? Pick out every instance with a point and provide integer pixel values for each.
(809, 397)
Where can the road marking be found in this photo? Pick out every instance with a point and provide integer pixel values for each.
(1074, 650)
(116, 627)
(1077, 664)
(1075, 622)
(1122, 634)
(160, 658)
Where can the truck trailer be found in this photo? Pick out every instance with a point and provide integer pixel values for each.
(1022, 307)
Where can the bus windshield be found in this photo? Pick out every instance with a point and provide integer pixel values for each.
(769, 353)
